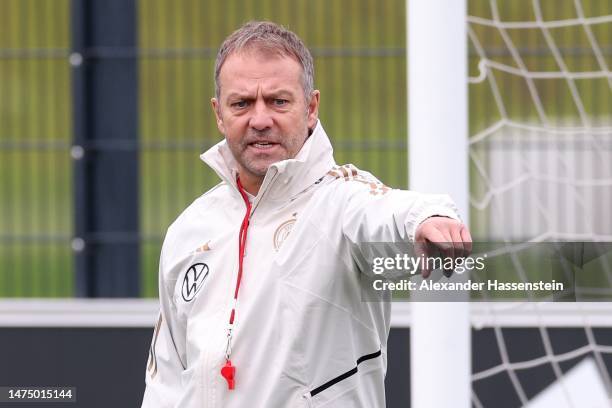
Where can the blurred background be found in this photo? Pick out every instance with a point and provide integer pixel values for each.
(105, 108)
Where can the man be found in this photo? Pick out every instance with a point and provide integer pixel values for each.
(259, 277)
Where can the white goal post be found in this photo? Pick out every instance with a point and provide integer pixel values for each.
(438, 163)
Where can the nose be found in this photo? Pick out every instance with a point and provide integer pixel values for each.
(261, 118)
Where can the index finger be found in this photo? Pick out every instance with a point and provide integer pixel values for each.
(466, 237)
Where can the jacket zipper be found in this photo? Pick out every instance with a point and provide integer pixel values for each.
(228, 371)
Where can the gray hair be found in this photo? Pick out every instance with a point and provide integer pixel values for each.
(271, 37)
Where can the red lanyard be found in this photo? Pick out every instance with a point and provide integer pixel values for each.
(228, 371)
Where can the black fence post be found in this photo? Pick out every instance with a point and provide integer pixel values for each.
(105, 148)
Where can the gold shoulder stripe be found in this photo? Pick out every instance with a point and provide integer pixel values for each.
(348, 172)
(334, 174)
(344, 173)
(152, 356)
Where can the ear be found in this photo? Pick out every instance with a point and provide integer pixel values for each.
(216, 107)
(313, 109)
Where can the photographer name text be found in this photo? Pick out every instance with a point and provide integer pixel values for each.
(489, 285)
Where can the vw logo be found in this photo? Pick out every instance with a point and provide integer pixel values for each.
(194, 280)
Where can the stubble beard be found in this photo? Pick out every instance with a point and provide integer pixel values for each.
(258, 167)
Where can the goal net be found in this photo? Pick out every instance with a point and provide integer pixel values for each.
(540, 93)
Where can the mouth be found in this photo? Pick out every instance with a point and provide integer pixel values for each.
(263, 145)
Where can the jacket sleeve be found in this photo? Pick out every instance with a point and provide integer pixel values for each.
(166, 362)
(374, 213)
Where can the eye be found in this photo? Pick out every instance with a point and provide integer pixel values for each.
(280, 102)
(240, 104)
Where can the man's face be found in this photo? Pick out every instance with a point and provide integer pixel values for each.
(262, 110)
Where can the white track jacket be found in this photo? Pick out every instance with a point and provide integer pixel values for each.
(302, 335)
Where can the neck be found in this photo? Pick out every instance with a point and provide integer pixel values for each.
(250, 182)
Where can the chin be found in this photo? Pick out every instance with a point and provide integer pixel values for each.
(261, 167)
(259, 171)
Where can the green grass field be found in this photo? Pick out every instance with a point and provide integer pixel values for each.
(360, 70)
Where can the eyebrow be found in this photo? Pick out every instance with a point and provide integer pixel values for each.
(281, 92)
(238, 95)
(246, 95)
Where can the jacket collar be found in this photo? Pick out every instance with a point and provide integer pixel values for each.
(286, 178)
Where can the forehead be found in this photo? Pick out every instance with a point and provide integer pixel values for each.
(249, 70)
